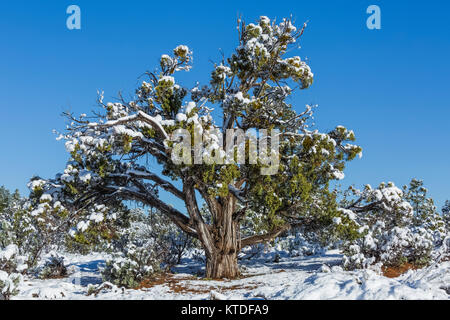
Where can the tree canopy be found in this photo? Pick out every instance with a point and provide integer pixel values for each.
(109, 149)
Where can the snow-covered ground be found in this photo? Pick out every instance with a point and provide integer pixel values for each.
(311, 277)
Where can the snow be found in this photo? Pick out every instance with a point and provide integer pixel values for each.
(85, 176)
(293, 278)
(82, 226)
(190, 106)
(181, 117)
(167, 79)
(9, 252)
(339, 175)
(96, 217)
(46, 197)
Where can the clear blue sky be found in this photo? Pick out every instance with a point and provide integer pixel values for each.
(391, 86)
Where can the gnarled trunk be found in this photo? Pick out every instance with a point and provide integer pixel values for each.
(222, 262)
(221, 240)
(222, 265)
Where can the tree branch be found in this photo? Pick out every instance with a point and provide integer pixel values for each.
(181, 220)
(166, 185)
(201, 227)
(140, 116)
(264, 237)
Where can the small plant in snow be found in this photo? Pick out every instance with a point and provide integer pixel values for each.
(53, 268)
(9, 284)
(11, 261)
(297, 245)
(11, 265)
(132, 266)
(150, 243)
(443, 251)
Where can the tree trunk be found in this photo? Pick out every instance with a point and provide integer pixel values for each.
(222, 265)
(222, 262)
(221, 240)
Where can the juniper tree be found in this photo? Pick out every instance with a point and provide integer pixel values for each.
(251, 89)
(446, 214)
(425, 212)
(7, 198)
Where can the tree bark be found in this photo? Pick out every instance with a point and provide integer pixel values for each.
(220, 240)
(222, 265)
(222, 262)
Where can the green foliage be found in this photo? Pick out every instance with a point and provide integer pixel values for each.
(9, 285)
(252, 89)
(392, 232)
(425, 212)
(12, 264)
(446, 215)
(148, 245)
(99, 234)
(131, 267)
(19, 228)
(7, 198)
(53, 268)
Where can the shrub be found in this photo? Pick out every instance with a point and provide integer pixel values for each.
(53, 268)
(298, 245)
(133, 265)
(390, 248)
(443, 251)
(9, 284)
(11, 261)
(390, 231)
(11, 265)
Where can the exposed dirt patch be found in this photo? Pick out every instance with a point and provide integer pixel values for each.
(394, 272)
(56, 277)
(181, 285)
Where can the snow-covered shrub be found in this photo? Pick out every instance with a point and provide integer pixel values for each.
(11, 261)
(11, 267)
(150, 243)
(97, 229)
(145, 247)
(156, 228)
(133, 265)
(389, 229)
(18, 227)
(9, 284)
(390, 248)
(173, 243)
(442, 253)
(425, 212)
(446, 215)
(53, 267)
(296, 244)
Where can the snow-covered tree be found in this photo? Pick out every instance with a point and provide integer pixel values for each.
(79, 230)
(391, 234)
(425, 213)
(12, 265)
(251, 90)
(7, 198)
(18, 227)
(446, 214)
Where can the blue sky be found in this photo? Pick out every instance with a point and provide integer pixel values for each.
(390, 86)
